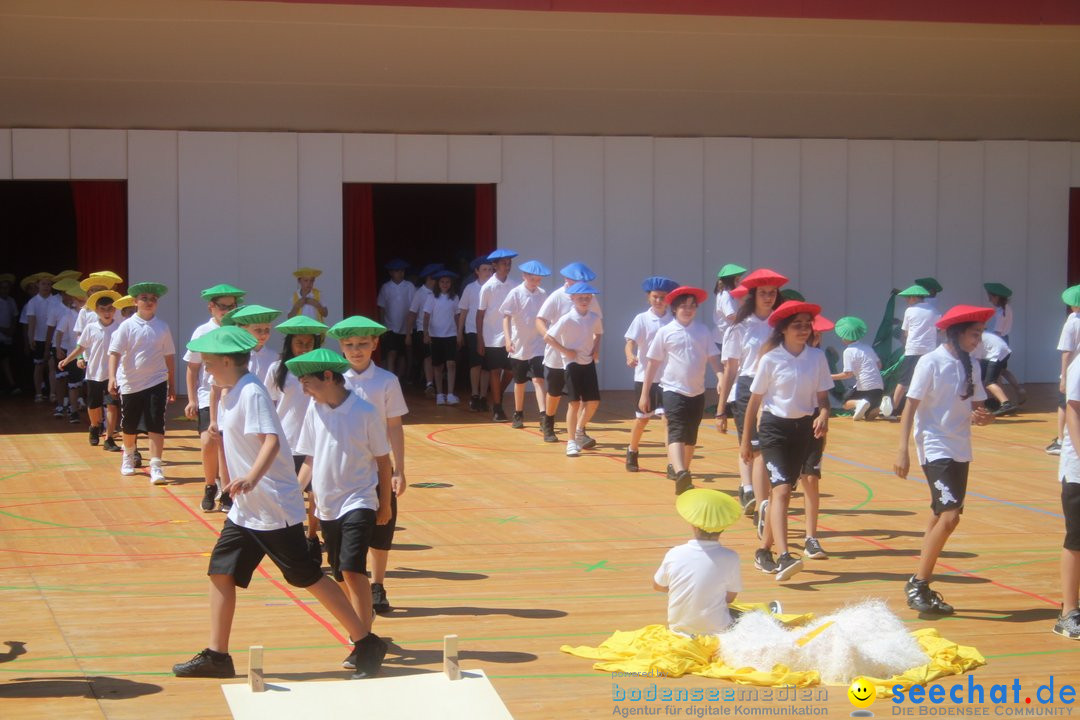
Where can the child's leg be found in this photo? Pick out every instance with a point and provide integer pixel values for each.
(540, 391)
(379, 560)
(519, 396)
(451, 376)
(222, 609)
(588, 410)
(437, 372)
(360, 597)
(746, 475)
(551, 405)
(636, 432)
(157, 444)
(331, 597)
(938, 531)
(428, 370)
(485, 381)
(573, 410)
(779, 499)
(897, 400)
(1070, 580)
(676, 454)
(811, 499)
(95, 416)
(474, 380)
(210, 449)
(1061, 424)
(998, 392)
(688, 455)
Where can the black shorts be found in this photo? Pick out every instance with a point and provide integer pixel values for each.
(475, 358)
(524, 370)
(683, 416)
(582, 383)
(204, 419)
(392, 342)
(873, 396)
(742, 399)
(382, 537)
(907, 369)
(785, 445)
(97, 394)
(421, 349)
(75, 375)
(347, 541)
(239, 551)
(948, 484)
(496, 358)
(812, 464)
(37, 352)
(992, 369)
(656, 400)
(148, 405)
(556, 381)
(1070, 508)
(443, 350)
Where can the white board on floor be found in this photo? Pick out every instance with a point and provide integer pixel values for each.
(428, 695)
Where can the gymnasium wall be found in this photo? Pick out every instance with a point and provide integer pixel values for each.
(846, 220)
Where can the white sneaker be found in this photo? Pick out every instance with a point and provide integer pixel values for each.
(572, 449)
(861, 408)
(440, 399)
(452, 399)
(127, 464)
(886, 406)
(157, 474)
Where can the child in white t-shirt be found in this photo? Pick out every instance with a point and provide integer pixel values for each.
(394, 298)
(523, 343)
(94, 345)
(442, 336)
(945, 397)
(468, 305)
(414, 341)
(727, 279)
(577, 336)
(639, 336)
(1068, 345)
(863, 364)
(920, 337)
(1068, 623)
(68, 383)
(490, 342)
(993, 355)
(256, 320)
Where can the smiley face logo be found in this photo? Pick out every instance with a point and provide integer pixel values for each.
(862, 692)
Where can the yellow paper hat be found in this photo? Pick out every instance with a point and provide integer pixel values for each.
(103, 278)
(7, 277)
(67, 285)
(92, 301)
(307, 272)
(710, 510)
(66, 274)
(124, 302)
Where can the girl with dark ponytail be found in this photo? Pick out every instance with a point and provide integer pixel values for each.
(944, 399)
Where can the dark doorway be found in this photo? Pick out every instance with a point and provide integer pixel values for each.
(1074, 236)
(37, 229)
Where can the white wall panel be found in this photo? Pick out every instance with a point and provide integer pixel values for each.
(915, 209)
(5, 154)
(153, 239)
(1005, 255)
(728, 205)
(422, 158)
(267, 217)
(525, 198)
(99, 154)
(475, 158)
(40, 154)
(960, 223)
(579, 206)
(370, 158)
(776, 207)
(320, 219)
(870, 227)
(209, 203)
(1047, 247)
(679, 212)
(628, 253)
(823, 219)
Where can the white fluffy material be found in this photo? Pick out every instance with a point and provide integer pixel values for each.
(862, 639)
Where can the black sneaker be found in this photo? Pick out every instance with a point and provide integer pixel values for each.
(921, 598)
(314, 549)
(747, 500)
(1007, 408)
(786, 566)
(208, 497)
(813, 550)
(498, 414)
(429, 389)
(207, 664)
(762, 518)
(483, 407)
(366, 657)
(379, 602)
(631, 460)
(1068, 626)
(73, 417)
(519, 420)
(111, 446)
(1054, 448)
(670, 472)
(683, 482)
(95, 436)
(549, 429)
(763, 561)
(587, 443)
(226, 503)
(138, 459)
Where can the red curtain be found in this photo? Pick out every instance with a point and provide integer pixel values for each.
(485, 219)
(359, 251)
(101, 225)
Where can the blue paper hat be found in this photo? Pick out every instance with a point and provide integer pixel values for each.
(578, 271)
(430, 269)
(444, 273)
(582, 288)
(535, 267)
(397, 264)
(483, 259)
(660, 283)
(502, 253)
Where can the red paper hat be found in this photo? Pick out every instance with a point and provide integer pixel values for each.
(764, 276)
(823, 324)
(698, 293)
(792, 308)
(964, 314)
(740, 291)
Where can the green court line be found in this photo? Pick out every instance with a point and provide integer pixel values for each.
(96, 531)
(1034, 652)
(76, 671)
(980, 571)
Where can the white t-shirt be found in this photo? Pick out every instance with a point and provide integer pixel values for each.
(65, 329)
(417, 305)
(557, 304)
(992, 348)
(443, 312)
(143, 346)
(469, 303)
(492, 295)
(95, 340)
(943, 420)
(863, 362)
(395, 299)
(578, 333)
(522, 306)
(725, 305)
(684, 350)
(292, 403)
(743, 342)
(379, 387)
(275, 502)
(38, 308)
(1069, 463)
(919, 322)
(789, 384)
(699, 575)
(205, 378)
(343, 443)
(1069, 341)
(261, 360)
(86, 316)
(642, 330)
(1002, 321)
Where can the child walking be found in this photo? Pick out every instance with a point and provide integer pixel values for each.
(490, 341)
(577, 336)
(639, 337)
(94, 345)
(442, 335)
(394, 298)
(1068, 623)
(468, 305)
(920, 337)
(523, 343)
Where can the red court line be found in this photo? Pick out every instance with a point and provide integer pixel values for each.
(287, 591)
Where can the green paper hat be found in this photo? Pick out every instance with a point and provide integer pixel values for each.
(147, 287)
(791, 294)
(730, 269)
(357, 325)
(302, 325)
(930, 284)
(222, 290)
(250, 315)
(1071, 296)
(998, 289)
(915, 291)
(223, 341)
(317, 361)
(710, 510)
(850, 328)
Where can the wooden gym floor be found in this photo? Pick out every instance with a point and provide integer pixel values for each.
(503, 541)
